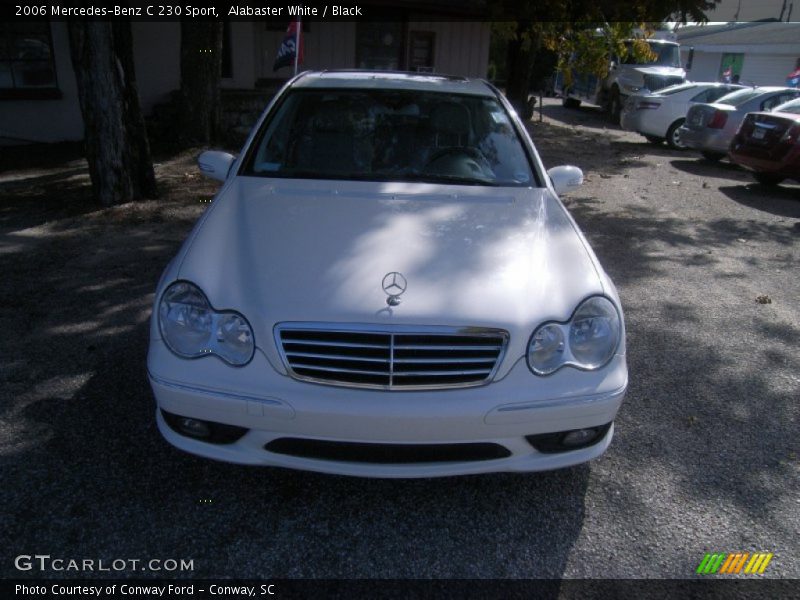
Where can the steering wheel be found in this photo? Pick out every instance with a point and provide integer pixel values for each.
(461, 163)
(454, 151)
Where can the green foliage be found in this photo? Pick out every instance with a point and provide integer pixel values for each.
(589, 49)
(568, 27)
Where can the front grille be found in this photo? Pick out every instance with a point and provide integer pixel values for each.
(392, 357)
(387, 453)
(657, 82)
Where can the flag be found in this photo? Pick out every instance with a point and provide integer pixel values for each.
(287, 50)
(793, 79)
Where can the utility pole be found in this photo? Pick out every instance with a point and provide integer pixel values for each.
(297, 43)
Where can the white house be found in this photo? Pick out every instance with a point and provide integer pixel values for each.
(38, 95)
(761, 53)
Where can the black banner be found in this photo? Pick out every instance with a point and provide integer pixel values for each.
(177, 589)
(160, 10)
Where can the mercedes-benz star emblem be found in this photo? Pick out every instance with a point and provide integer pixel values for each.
(394, 284)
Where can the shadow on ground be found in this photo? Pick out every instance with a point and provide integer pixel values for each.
(783, 201)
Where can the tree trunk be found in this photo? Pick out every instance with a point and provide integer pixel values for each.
(519, 60)
(201, 69)
(117, 148)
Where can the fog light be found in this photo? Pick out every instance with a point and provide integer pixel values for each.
(194, 428)
(564, 441)
(206, 431)
(579, 437)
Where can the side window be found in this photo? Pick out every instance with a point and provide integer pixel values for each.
(716, 93)
(703, 96)
(789, 96)
(774, 101)
(769, 103)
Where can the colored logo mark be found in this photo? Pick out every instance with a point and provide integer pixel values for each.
(722, 563)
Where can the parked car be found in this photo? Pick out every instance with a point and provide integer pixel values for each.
(387, 284)
(624, 74)
(659, 115)
(768, 143)
(710, 128)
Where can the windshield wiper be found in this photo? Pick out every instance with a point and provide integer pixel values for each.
(309, 174)
(416, 177)
(437, 178)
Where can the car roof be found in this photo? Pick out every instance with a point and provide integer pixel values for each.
(382, 80)
(768, 89)
(691, 85)
(717, 84)
(760, 91)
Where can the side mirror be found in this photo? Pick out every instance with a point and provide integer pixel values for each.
(690, 59)
(565, 178)
(215, 164)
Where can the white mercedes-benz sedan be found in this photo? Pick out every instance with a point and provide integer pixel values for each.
(388, 285)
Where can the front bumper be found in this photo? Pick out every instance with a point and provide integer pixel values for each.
(273, 406)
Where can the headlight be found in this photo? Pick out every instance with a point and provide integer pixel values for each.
(192, 328)
(546, 350)
(587, 341)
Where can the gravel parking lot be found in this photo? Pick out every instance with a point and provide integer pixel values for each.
(705, 457)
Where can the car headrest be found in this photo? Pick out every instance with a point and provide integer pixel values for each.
(450, 117)
(338, 117)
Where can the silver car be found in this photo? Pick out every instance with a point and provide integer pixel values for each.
(710, 128)
(659, 115)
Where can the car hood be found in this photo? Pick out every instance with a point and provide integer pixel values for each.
(662, 71)
(319, 250)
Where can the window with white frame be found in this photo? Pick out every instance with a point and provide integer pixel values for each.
(27, 66)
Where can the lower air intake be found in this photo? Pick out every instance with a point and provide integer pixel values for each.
(386, 453)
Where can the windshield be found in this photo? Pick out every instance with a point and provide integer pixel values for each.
(666, 55)
(739, 97)
(391, 135)
(793, 106)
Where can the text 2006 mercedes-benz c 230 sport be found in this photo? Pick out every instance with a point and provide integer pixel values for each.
(387, 285)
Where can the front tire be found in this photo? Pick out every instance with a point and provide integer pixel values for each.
(527, 111)
(615, 105)
(768, 178)
(568, 102)
(674, 136)
(712, 156)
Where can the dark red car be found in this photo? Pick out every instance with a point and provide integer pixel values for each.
(768, 143)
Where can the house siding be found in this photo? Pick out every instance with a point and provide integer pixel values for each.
(769, 50)
(461, 48)
(157, 58)
(757, 68)
(705, 66)
(243, 36)
(761, 69)
(159, 43)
